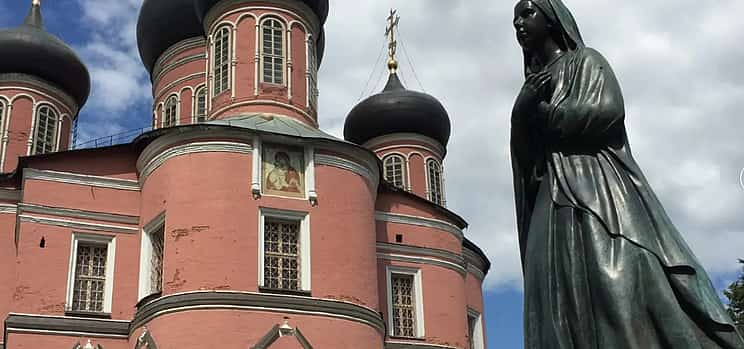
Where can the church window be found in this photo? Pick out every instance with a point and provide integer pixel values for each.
(394, 168)
(435, 182)
(91, 278)
(151, 257)
(312, 73)
(170, 111)
(2, 113)
(405, 312)
(285, 253)
(272, 51)
(221, 62)
(475, 330)
(45, 135)
(200, 109)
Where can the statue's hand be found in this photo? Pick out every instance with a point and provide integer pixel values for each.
(533, 91)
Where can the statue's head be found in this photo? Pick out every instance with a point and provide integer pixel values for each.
(536, 21)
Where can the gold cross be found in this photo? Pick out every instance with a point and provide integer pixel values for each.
(393, 21)
(36, 3)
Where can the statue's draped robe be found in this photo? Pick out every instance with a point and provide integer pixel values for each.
(604, 266)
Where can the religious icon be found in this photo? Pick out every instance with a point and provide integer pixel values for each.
(283, 171)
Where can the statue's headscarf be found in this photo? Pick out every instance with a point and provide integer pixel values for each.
(562, 20)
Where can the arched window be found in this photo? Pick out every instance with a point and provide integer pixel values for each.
(394, 168)
(435, 182)
(221, 62)
(312, 73)
(170, 111)
(45, 135)
(200, 106)
(272, 51)
(2, 113)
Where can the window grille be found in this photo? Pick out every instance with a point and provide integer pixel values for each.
(46, 130)
(201, 104)
(90, 278)
(394, 167)
(312, 70)
(221, 60)
(170, 111)
(273, 51)
(435, 182)
(404, 314)
(156, 260)
(281, 255)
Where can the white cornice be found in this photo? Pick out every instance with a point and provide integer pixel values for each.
(401, 140)
(366, 172)
(77, 224)
(166, 89)
(422, 260)
(301, 11)
(162, 71)
(62, 97)
(75, 213)
(177, 48)
(80, 179)
(7, 208)
(152, 163)
(419, 221)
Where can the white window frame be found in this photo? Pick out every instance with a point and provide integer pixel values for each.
(55, 125)
(217, 88)
(429, 190)
(403, 168)
(418, 298)
(108, 291)
(264, 55)
(146, 254)
(477, 335)
(304, 240)
(177, 116)
(195, 118)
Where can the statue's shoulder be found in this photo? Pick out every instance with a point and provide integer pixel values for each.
(590, 56)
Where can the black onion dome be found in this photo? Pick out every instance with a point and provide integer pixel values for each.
(29, 49)
(319, 7)
(397, 110)
(163, 23)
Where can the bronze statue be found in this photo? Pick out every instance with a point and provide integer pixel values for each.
(604, 267)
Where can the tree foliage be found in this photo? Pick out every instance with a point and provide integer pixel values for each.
(735, 294)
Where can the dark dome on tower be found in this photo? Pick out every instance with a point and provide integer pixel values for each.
(29, 49)
(163, 23)
(397, 110)
(319, 7)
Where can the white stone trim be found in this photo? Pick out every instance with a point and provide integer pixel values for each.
(218, 13)
(431, 144)
(418, 297)
(110, 242)
(419, 221)
(311, 193)
(191, 148)
(144, 286)
(66, 103)
(304, 219)
(24, 218)
(256, 168)
(267, 102)
(349, 165)
(177, 64)
(75, 213)
(80, 179)
(422, 260)
(8, 208)
(65, 333)
(164, 91)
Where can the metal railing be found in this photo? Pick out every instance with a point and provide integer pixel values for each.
(115, 139)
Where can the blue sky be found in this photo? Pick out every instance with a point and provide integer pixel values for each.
(679, 71)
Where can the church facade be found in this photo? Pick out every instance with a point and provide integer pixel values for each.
(235, 222)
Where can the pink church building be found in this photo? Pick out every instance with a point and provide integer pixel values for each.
(235, 222)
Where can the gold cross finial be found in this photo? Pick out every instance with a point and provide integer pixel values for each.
(392, 25)
(35, 2)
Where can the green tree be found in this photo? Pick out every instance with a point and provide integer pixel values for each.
(735, 294)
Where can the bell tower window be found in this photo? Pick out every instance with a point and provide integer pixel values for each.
(434, 171)
(200, 108)
(45, 135)
(394, 168)
(272, 51)
(170, 111)
(312, 74)
(221, 63)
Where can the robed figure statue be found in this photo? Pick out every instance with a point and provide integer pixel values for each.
(604, 267)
